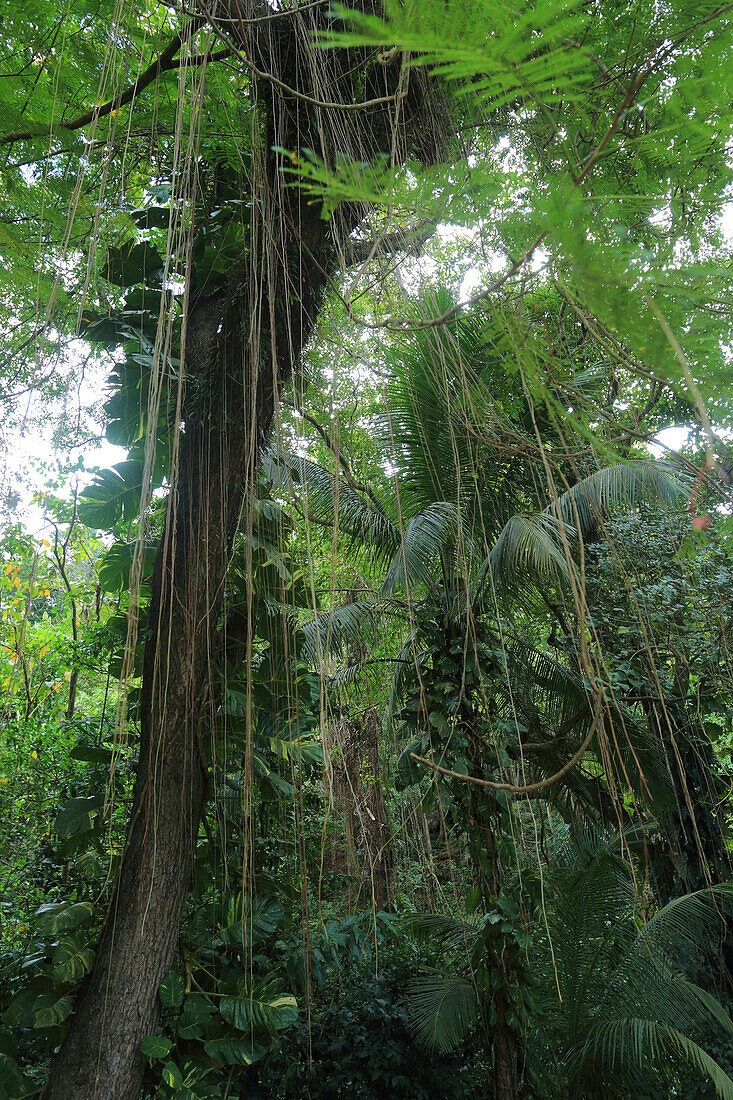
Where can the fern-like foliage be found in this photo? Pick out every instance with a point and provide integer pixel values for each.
(616, 1012)
(617, 1005)
(496, 53)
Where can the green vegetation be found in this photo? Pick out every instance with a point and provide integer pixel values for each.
(366, 695)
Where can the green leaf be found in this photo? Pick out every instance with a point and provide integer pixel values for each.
(115, 565)
(19, 1012)
(196, 1017)
(50, 1009)
(237, 1052)
(114, 495)
(156, 1046)
(172, 990)
(90, 754)
(89, 866)
(442, 1008)
(152, 217)
(172, 1075)
(75, 816)
(72, 959)
(132, 264)
(408, 770)
(266, 1008)
(261, 917)
(13, 1085)
(63, 916)
(111, 331)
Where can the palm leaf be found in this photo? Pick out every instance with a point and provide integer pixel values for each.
(528, 545)
(432, 530)
(622, 1048)
(442, 422)
(587, 502)
(329, 500)
(435, 928)
(442, 1009)
(626, 1008)
(534, 548)
(334, 631)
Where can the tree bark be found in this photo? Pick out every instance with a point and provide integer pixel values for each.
(241, 347)
(483, 825)
(358, 785)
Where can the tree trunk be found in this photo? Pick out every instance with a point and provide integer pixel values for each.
(484, 821)
(240, 348)
(358, 786)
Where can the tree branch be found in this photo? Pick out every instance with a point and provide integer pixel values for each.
(335, 449)
(162, 64)
(411, 244)
(528, 788)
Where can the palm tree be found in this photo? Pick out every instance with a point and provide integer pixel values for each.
(467, 528)
(471, 526)
(614, 1012)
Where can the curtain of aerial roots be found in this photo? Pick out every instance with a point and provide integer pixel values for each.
(257, 329)
(352, 716)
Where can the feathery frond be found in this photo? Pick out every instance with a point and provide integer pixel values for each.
(442, 1009)
(586, 503)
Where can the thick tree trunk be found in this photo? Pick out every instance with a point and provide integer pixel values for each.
(219, 451)
(240, 347)
(358, 786)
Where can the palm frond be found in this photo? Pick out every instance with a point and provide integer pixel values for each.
(650, 976)
(442, 1009)
(627, 483)
(435, 928)
(442, 422)
(626, 1009)
(552, 702)
(332, 632)
(622, 1048)
(327, 499)
(432, 530)
(528, 545)
(681, 922)
(532, 548)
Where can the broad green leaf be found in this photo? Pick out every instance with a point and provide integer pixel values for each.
(239, 1052)
(172, 990)
(114, 495)
(152, 217)
(196, 1017)
(132, 264)
(265, 1009)
(63, 916)
(19, 1012)
(72, 959)
(89, 866)
(75, 816)
(261, 917)
(115, 565)
(156, 1046)
(50, 1008)
(91, 754)
(13, 1085)
(408, 770)
(172, 1075)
